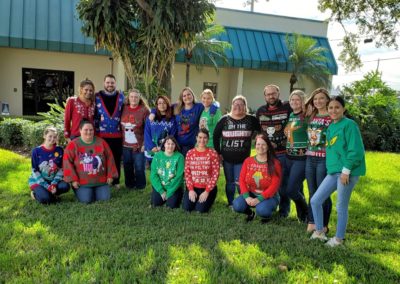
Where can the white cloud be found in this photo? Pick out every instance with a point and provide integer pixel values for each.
(369, 53)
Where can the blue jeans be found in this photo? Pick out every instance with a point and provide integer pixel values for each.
(264, 209)
(204, 207)
(324, 191)
(172, 202)
(42, 195)
(232, 173)
(295, 170)
(315, 174)
(134, 168)
(284, 203)
(86, 194)
(185, 149)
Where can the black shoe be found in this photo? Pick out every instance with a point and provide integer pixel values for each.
(265, 220)
(251, 216)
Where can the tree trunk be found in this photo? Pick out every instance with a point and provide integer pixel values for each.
(293, 80)
(187, 72)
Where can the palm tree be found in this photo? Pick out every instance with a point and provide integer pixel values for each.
(205, 46)
(307, 59)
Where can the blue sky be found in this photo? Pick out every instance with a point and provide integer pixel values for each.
(389, 58)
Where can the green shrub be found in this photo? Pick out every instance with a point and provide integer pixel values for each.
(14, 132)
(35, 118)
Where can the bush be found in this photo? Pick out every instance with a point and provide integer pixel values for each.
(14, 132)
(376, 109)
(34, 118)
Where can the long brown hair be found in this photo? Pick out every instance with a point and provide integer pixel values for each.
(311, 110)
(180, 105)
(168, 112)
(271, 157)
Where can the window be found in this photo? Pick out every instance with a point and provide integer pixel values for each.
(212, 86)
(40, 87)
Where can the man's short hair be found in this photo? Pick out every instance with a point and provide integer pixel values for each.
(109, 76)
(272, 86)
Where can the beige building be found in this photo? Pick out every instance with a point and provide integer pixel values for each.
(43, 57)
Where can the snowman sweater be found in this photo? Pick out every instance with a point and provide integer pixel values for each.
(254, 178)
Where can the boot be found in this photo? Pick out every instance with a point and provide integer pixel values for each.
(302, 209)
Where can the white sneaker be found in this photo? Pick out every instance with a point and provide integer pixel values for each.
(334, 242)
(33, 195)
(319, 236)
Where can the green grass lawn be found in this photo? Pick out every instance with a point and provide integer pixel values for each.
(124, 240)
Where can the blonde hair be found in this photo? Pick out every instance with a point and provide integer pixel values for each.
(301, 95)
(50, 129)
(311, 110)
(180, 105)
(208, 92)
(142, 101)
(241, 98)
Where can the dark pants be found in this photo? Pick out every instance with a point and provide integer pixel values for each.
(204, 207)
(284, 204)
(315, 174)
(173, 202)
(264, 209)
(232, 173)
(42, 195)
(116, 148)
(185, 149)
(134, 168)
(88, 195)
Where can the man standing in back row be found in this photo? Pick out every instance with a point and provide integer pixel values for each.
(109, 103)
(273, 118)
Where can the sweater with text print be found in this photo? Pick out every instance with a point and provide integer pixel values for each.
(232, 138)
(316, 132)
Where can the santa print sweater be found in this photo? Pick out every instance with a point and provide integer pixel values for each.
(201, 169)
(232, 138)
(254, 178)
(132, 122)
(46, 167)
(273, 120)
(75, 111)
(88, 164)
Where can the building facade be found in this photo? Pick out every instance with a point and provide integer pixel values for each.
(44, 55)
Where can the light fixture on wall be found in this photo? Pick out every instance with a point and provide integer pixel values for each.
(5, 109)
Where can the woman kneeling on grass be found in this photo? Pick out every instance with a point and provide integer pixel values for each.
(167, 175)
(46, 181)
(201, 175)
(345, 163)
(89, 165)
(259, 182)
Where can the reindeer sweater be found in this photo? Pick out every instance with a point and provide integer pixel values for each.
(316, 132)
(296, 133)
(89, 164)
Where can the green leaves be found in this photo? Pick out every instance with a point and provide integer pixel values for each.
(308, 59)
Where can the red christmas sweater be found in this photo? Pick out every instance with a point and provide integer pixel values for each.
(89, 164)
(254, 177)
(75, 111)
(132, 122)
(201, 169)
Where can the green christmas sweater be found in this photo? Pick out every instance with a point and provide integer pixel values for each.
(297, 139)
(167, 172)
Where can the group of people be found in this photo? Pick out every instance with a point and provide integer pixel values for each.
(185, 143)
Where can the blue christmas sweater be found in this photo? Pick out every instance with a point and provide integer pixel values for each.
(108, 124)
(154, 133)
(188, 125)
(46, 167)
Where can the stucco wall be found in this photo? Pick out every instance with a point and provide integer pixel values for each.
(12, 61)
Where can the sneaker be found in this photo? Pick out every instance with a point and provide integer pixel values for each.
(266, 220)
(334, 242)
(250, 217)
(319, 236)
(33, 195)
